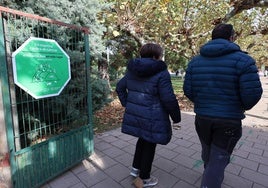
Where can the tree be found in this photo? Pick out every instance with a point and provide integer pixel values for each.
(182, 26)
(78, 12)
(252, 15)
(239, 6)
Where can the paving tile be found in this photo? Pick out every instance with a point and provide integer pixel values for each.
(96, 155)
(167, 153)
(184, 184)
(264, 138)
(118, 172)
(225, 186)
(265, 154)
(165, 180)
(243, 142)
(251, 150)
(67, 179)
(194, 139)
(45, 186)
(240, 153)
(184, 143)
(120, 143)
(236, 181)
(103, 162)
(113, 152)
(233, 168)
(116, 132)
(133, 141)
(165, 164)
(126, 137)
(125, 159)
(79, 185)
(130, 149)
(102, 145)
(259, 159)
(127, 182)
(254, 176)
(185, 161)
(110, 138)
(245, 163)
(198, 166)
(196, 156)
(188, 175)
(180, 136)
(249, 133)
(185, 151)
(258, 186)
(196, 147)
(91, 177)
(109, 182)
(259, 139)
(170, 146)
(263, 169)
(263, 147)
(81, 167)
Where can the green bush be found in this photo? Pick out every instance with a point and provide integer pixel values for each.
(100, 93)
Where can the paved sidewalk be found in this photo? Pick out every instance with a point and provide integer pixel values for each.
(178, 164)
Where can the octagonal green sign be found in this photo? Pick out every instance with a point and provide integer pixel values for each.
(41, 67)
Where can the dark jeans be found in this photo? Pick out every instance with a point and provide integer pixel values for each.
(218, 138)
(143, 157)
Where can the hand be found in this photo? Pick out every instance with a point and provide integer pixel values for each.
(176, 126)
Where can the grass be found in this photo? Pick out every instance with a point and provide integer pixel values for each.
(177, 84)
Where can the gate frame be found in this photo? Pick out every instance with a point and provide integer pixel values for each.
(4, 82)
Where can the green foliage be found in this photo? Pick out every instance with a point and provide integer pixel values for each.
(177, 84)
(180, 26)
(175, 61)
(78, 12)
(100, 91)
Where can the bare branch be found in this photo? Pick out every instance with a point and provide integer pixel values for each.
(239, 6)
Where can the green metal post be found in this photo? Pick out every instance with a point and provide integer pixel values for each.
(89, 98)
(6, 96)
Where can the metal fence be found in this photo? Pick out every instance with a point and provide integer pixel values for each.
(57, 128)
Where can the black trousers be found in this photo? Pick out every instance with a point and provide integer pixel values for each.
(143, 157)
(223, 133)
(218, 138)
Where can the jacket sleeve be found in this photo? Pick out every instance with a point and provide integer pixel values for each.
(187, 84)
(250, 85)
(121, 90)
(168, 98)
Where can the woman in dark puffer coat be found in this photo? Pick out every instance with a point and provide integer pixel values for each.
(146, 93)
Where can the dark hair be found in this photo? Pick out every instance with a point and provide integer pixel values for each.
(151, 50)
(224, 31)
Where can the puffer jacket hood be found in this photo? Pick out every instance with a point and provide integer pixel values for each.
(218, 47)
(222, 81)
(146, 67)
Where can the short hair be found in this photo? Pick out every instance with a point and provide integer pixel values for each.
(151, 50)
(224, 31)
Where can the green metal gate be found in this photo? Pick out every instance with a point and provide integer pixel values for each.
(49, 135)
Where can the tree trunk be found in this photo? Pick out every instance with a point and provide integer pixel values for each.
(103, 70)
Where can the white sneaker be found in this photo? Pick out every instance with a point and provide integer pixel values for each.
(134, 172)
(152, 181)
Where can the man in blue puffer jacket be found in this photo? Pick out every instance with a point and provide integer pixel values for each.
(146, 93)
(222, 82)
